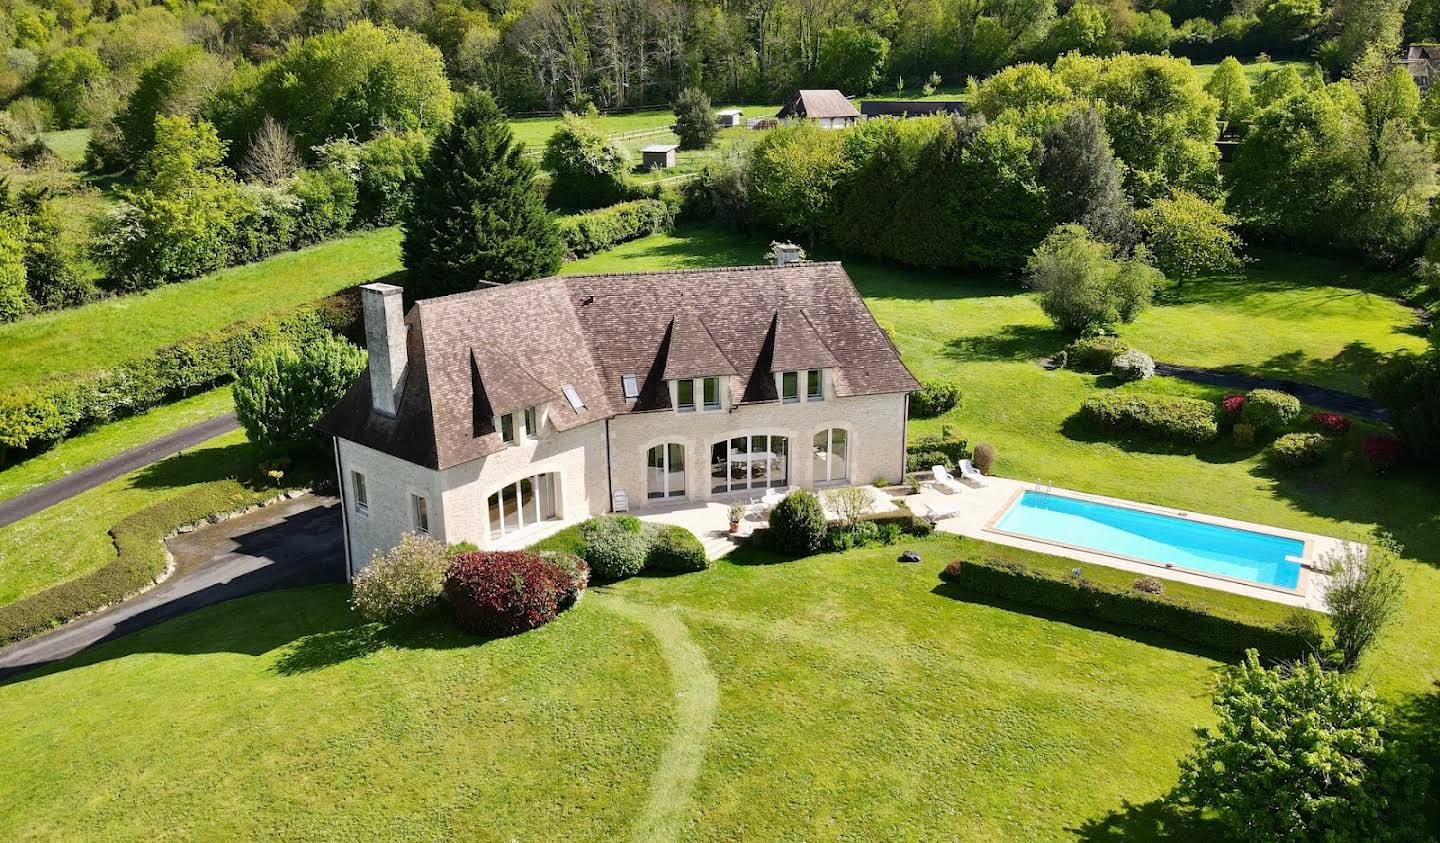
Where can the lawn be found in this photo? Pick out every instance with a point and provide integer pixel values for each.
(69, 144)
(534, 131)
(822, 697)
(1255, 71)
(108, 440)
(72, 538)
(116, 329)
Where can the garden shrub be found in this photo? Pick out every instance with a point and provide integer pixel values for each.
(675, 549)
(1382, 452)
(1231, 407)
(325, 204)
(587, 168)
(934, 398)
(1083, 287)
(931, 450)
(139, 558)
(1408, 386)
(282, 390)
(1331, 424)
(32, 417)
(923, 461)
(575, 569)
(504, 592)
(402, 581)
(839, 539)
(1149, 585)
(797, 524)
(1294, 450)
(1094, 354)
(596, 231)
(1183, 619)
(1132, 365)
(984, 459)
(1165, 418)
(1244, 435)
(616, 546)
(1269, 409)
(1365, 594)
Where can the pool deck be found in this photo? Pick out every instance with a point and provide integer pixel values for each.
(973, 511)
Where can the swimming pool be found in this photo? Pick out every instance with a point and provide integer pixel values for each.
(1155, 537)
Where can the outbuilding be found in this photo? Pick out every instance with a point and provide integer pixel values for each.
(729, 117)
(828, 109)
(658, 156)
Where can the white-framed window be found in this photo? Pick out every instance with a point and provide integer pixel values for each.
(573, 397)
(832, 455)
(710, 390)
(420, 514)
(522, 504)
(532, 422)
(790, 387)
(630, 386)
(685, 396)
(507, 428)
(814, 391)
(359, 492)
(665, 471)
(749, 462)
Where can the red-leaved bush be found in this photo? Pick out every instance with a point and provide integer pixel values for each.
(502, 593)
(1232, 405)
(1333, 424)
(1382, 452)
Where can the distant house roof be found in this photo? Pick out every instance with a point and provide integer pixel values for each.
(661, 147)
(816, 105)
(910, 108)
(1428, 52)
(483, 353)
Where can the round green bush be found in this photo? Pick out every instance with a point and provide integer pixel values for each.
(615, 546)
(1294, 450)
(1094, 354)
(1269, 409)
(676, 550)
(797, 524)
(934, 398)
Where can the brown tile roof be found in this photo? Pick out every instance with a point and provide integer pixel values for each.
(473, 353)
(815, 104)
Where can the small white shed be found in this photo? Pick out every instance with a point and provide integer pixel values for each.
(728, 117)
(659, 156)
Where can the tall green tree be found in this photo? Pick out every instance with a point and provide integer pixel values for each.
(694, 119)
(1083, 287)
(281, 391)
(1188, 236)
(475, 214)
(852, 59)
(1229, 86)
(1083, 179)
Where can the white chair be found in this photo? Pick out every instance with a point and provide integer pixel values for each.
(935, 516)
(969, 472)
(945, 481)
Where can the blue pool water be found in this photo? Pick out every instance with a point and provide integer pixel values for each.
(1227, 551)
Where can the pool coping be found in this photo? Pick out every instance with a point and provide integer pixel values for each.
(1307, 555)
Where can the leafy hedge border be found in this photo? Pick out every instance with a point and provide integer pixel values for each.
(605, 228)
(1181, 619)
(141, 558)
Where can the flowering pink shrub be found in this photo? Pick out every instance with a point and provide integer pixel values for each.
(1332, 424)
(1382, 452)
(1232, 405)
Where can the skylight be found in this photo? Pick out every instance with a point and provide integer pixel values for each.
(573, 397)
(630, 386)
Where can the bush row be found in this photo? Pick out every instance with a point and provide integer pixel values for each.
(1166, 418)
(1182, 619)
(621, 546)
(928, 451)
(139, 558)
(595, 231)
(35, 417)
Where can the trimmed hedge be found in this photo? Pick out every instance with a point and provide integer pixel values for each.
(1182, 619)
(1165, 418)
(1295, 450)
(35, 417)
(934, 398)
(1269, 409)
(588, 233)
(675, 549)
(1094, 354)
(139, 558)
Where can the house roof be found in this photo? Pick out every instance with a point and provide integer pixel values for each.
(730, 111)
(910, 108)
(818, 104)
(478, 354)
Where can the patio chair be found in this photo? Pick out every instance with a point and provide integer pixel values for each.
(935, 516)
(945, 481)
(968, 471)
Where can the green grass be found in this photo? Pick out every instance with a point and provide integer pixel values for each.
(111, 439)
(117, 329)
(534, 131)
(71, 538)
(849, 693)
(68, 144)
(1255, 71)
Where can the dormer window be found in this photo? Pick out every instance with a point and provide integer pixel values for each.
(790, 387)
(685, 396)
(573, 397)
(521, 424)
(630, 386)
(813, 391)
(801, 385)
(712, 393)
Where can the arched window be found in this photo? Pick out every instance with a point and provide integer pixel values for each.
(665, 471)
(832, 455)
(522, 504)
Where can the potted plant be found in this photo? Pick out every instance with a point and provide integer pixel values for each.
(737, 511)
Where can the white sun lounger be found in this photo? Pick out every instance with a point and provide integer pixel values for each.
(945, 481)
(969, 472)
(935, 516)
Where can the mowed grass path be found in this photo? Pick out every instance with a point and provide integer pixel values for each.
(124, 327)
(853, 697)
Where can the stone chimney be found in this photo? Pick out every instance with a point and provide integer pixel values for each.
(787, 253)
(385, 340)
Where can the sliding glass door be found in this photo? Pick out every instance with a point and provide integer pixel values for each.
(749, 462)
(665, 471)
(522, 504)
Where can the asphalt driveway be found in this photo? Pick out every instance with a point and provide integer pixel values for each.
(289, 544)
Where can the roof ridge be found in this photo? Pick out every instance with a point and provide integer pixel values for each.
(699, 270)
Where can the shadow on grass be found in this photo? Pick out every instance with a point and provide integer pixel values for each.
(1417, 723)
(432, 630)
(1077, 428)
(1142, 636)
(1013, 342)
(201, 465)
(1159, 819)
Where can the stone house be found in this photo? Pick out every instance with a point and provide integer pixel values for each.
(500, 415)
